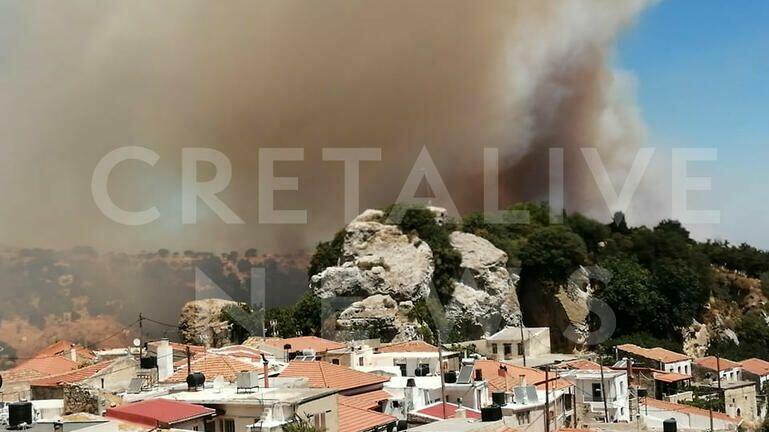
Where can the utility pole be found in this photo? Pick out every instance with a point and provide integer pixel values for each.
(547, 398)
(141, 336)
(629, 366)
(189, 360)
(440, 371)
(718, 374)
(603, 392)
(523, 343)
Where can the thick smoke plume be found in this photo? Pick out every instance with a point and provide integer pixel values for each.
(80, 78)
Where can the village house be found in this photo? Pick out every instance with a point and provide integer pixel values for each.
(711, 369)
(600, 396)
(302, 347)
(656, 358)
(756, 370)
(654, 412)
(513, 343)
(110, 375)
(164, 414)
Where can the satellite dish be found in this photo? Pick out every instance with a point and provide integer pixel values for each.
(137, 342)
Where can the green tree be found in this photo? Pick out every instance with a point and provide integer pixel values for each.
(553, 252)
(327, 254)
(629, 294)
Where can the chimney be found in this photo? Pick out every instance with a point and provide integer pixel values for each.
(521, 380)
(165, 360)
(460, 413)
(73, 353)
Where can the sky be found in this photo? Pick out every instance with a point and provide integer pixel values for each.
(702, 72)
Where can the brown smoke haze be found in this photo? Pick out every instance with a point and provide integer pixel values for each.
(81, 78)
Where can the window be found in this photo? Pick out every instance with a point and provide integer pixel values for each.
(210, 426)
(319, 420)
(360, 361)
(520, 349)
(402, 367)
(508, 349)
(597, 393)
(229, 425)
(494, 349)
(523, 418)
(195, 428)
(335, 361)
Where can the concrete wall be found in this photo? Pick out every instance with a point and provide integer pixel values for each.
(683, 367)
(741, 402)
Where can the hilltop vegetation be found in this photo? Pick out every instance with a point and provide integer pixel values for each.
(659, 279)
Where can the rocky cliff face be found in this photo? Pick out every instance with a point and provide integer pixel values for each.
(486, 296)
(387, 271)
(200, 323)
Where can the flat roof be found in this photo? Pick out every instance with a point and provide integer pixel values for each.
(260, 396)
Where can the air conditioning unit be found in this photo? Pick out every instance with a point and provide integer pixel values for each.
(248, 380)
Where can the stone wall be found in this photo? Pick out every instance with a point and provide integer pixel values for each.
(82, 398)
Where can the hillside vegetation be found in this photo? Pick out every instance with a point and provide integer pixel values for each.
(661, 280)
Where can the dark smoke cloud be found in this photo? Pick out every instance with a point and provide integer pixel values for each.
(80, 78)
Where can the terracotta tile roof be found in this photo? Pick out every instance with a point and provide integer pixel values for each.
(368, 400)
(756, 366)
(63, 347)
(300, 343)
(72, 377)
(353, 419)
(46, 366)
(580, 364)
(491, 374)
(670, 377)
(410, 346)
(327, 375)
(159, 412)
(670, 406)
(178, 347)
(240, 351)
(435, 411)
(712, 364)
(22, 375)
(212, 366)
(659, 354)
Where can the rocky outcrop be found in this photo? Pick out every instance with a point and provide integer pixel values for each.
(385, 270)
(487, 296)
(563, 307)
(378, 316)
(201, 323)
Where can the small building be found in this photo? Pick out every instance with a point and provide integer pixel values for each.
(740, 399)
(110, 375)
(470, 425)
(511, 343)
(712, 369)
(598, 395)
(355, 419)
(657, 358)
(440, 411)
(287, 349)
(164, 414)
(413, 359)
(322, 375)
(654, 412)
(756, 370)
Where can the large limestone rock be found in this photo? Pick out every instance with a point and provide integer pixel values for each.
(564, 308)
(379, 316)
(201, 323)
(487, 296)
(383, 267)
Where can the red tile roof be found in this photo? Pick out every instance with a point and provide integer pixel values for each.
(497, 380)
(670, 377)
(46, 366)
(159, 412)
(213, 365)
(580, 364)
(72, 377)
(410, 346)
(435, 411)
(301, 343)
(327, 375)
(178, 347)
(354, 419)
(670, 406)
(659, 354)
(756, 366)
(63, 348)
(368, 400)
(712, 364)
